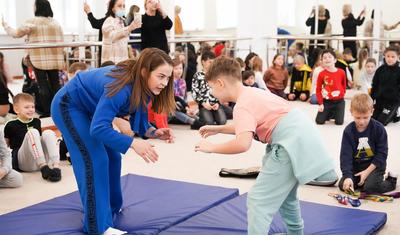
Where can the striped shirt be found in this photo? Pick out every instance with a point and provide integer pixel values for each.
(42, 30)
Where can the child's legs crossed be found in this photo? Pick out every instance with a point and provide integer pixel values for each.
(49, 143)
(30, 154)
(219, 115)
(12, 180)
(183, 117)
(207, 116)
(375, 183)
(274, 184)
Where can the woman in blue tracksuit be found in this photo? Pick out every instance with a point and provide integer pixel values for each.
(84, 109)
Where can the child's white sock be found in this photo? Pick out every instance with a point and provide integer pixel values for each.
(114, 231)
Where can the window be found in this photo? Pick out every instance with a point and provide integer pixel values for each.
(58, 12)
(286, 12)
(192, 14)
(227, 13)
(68, 18)
(139, 3)
(9, 14)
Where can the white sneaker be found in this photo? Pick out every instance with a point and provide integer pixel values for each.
(114, 231)
(392, 174)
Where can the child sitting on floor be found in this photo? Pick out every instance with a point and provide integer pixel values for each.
(364, 151)
(32, 149)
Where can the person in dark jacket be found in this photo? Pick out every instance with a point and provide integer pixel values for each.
(323, 22)
(349, 24)
(154, 23)
(385, 89)
(96, 24)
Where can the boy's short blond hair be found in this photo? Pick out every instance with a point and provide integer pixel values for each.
(23, 97)
(361, 103)
(224, 65)
(74, 67)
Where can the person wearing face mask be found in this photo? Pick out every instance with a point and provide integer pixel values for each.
(155, 22)
(115, 33)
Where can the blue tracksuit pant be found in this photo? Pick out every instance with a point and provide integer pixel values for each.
(97, 168)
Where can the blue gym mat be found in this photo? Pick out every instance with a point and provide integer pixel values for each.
(230, 218)
(150, 206)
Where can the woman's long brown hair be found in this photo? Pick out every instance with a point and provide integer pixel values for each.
(137, 73)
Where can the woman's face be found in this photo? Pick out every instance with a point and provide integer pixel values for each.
(119, 6)
(152, 4)
(159, 78)
(346, 10)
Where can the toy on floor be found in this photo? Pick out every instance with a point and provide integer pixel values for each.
(345, 200)
(388, 197)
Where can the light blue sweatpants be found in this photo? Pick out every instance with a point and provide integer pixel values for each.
(275, 190)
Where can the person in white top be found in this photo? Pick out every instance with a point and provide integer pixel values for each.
(258, 71)
(367, 75)
(115, 33)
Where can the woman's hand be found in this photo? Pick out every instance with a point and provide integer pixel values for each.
(86, 8)
(134, 25)
(3, 22)
(208, 130)
(164, 134)
(145, 150)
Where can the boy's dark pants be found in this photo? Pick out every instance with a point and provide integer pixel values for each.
(385, 112)
(373, 184)
(332, 109)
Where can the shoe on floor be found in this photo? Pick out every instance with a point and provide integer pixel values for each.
(55, 175)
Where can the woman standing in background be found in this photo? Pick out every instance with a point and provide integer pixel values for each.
(155, 22)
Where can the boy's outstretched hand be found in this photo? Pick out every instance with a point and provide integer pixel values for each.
(204, 146)
(348, 185)
(165, 134)
(208, 130)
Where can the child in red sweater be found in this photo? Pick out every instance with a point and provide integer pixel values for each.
(331, 88)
